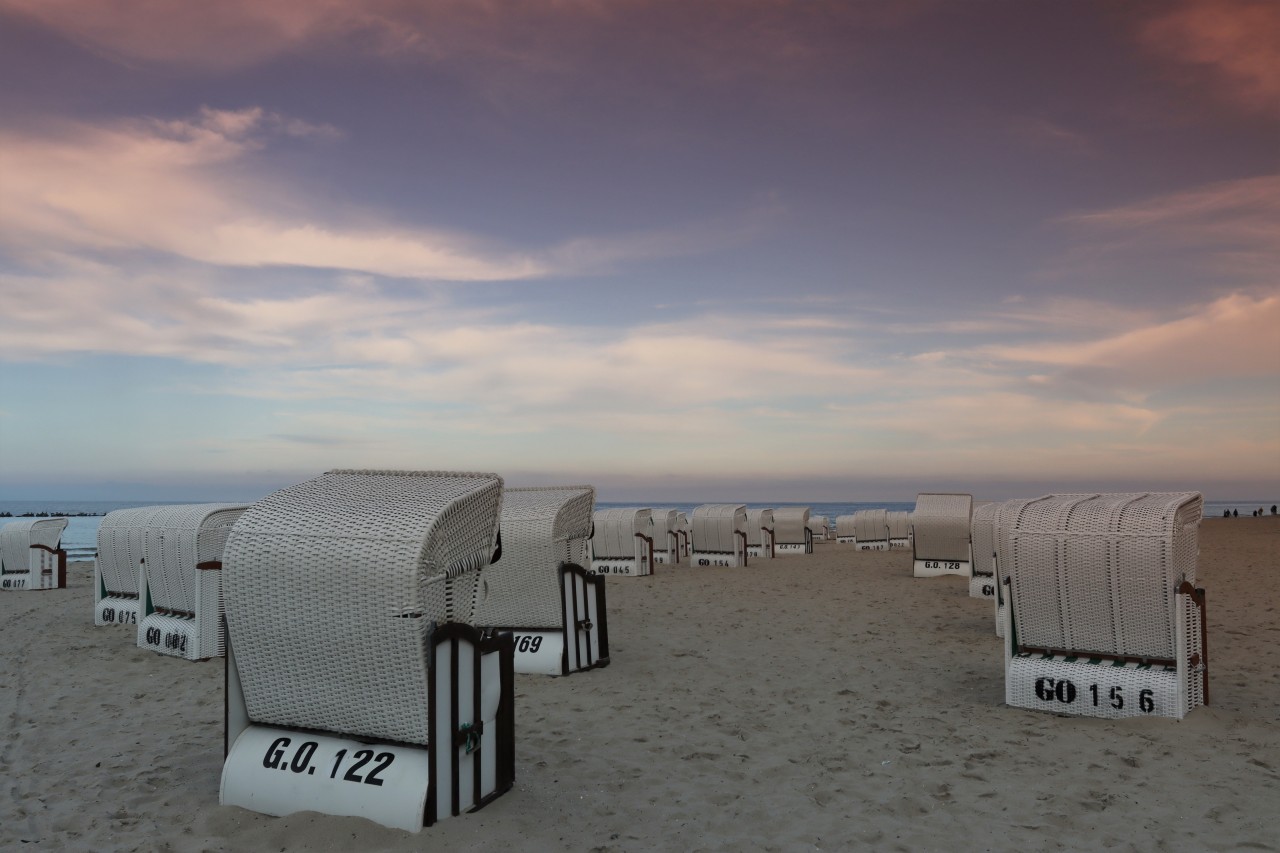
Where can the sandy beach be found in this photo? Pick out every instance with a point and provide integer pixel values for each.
(826, 702)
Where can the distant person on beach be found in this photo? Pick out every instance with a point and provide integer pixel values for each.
(1226, 513)
(1273, 509)
(1235, 513)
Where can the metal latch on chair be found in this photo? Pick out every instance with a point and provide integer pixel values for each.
(469, 735)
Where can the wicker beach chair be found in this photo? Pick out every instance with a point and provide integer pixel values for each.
(982, 583)
(899, 528)
(31, 554)
(820, 527)
(666, 537)
(180, 609)
(684, 534)
(1102, 615)
(118, 579)
(539, 589)
(760, 533)
(871, 529)
(791, 531)
(623, 542)
(940, 534)
(719, 535)
(356, 681)
(845, 531)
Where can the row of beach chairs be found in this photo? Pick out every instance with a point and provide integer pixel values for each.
(372, 621)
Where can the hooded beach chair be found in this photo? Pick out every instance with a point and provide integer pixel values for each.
(845, 531)
(540, 589)
(940, 534)
(684, 533)
(899, 528)
(871, 529)
(760, 533)
(118, 579)
(623, 542)
(820, 527)
(719, 535)
(357, 683)
(180, 596)
(666, 537)
(982, 583)
(31, 554)
(791, 531)
(1102, 615)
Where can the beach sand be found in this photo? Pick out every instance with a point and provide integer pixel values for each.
(826, 702)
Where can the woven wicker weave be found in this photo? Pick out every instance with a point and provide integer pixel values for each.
(941, 526)
(758, 520)
(542, 530)
(30, 553)
(333, 585)
(616, 532)
(871, 525)
(122, 546)
(716, 528)
(899, 529)
(1099, 573)
(792, 525)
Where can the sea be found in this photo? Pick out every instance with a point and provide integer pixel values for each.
(80, 539)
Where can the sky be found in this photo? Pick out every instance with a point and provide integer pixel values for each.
(731, 249)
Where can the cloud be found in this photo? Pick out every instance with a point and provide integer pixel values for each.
(181, 187)
(1237, 336)
(1235, 39)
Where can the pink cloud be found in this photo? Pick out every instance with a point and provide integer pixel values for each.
(1236, 39)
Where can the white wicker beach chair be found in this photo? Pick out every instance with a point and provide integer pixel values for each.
(760, 533)
(540, 589)
(1103, 618)
(31, 554)
(820, 527)
(181, 584)
(356, 684)
(845, 531)
(791, 531)
(719, 535)
(684, 532)
(623, 542)
(899, 529)
(982, 583)
(118, 579)
(871, 529)
(666, 537)
(940, 534)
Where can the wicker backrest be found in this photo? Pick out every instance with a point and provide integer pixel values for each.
(177, 539)
(333, 586)
(982, 531)
(1099, 572)
(941, 522)
(616, 531)
(665, 521)
(845, 525)
(17, 537)
(819, 525)
(122, 539)
(790, 524)
(871, 525)
(757, 520)
(715, 527)
(542, 530)
(899, 524)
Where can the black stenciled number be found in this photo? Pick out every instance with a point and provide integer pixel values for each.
(1117, 701)
(1146, 701)
(337, 762)
(275, 753)
(535, 643)
(1093, 688)
(351, 775)
(302, 758)
(384, 760)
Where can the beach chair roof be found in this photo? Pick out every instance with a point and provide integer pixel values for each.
(941, 522)
(122, 537)
(332, 587)
(177, 539)
(715, 525)
(871, 525)
(17, 537)
(1099, 572)
(790, 524)
(757, 519)
(617, 529)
